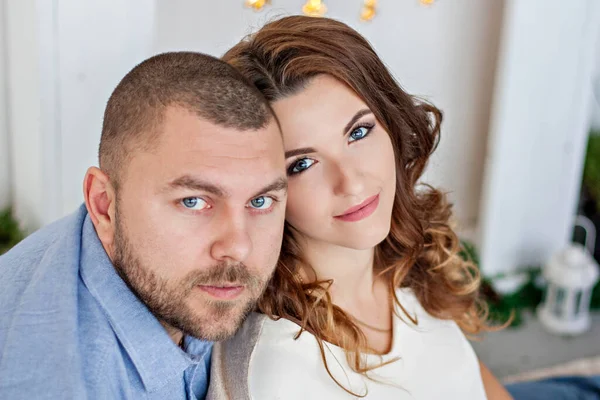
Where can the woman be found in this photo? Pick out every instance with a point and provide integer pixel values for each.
(370, 298)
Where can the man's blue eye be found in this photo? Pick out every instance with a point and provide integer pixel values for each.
(261, 203)
(300, 165)
(359, 133)
(194, 203)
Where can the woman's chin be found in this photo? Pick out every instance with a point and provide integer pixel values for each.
(365, 239)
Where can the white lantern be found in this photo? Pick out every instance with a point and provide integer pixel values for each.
(571, 275)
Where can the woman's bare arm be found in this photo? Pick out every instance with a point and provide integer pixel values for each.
(493, 388)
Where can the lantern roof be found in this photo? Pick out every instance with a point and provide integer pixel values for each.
(572, 267)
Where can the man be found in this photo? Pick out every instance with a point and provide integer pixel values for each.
(180, 232)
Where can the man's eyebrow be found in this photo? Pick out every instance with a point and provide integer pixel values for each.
(189, 182)
(279, 184)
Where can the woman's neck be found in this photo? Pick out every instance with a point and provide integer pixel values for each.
(355, 289)
(350, 270)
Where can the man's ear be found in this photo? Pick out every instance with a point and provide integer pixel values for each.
(100, 201)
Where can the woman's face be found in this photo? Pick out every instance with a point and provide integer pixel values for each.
(340, 164)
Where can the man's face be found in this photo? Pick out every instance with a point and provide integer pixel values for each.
(199, 222)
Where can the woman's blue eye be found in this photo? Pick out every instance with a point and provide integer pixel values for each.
(261, 203)
(300, 165)
(194, 203)
(359, 133)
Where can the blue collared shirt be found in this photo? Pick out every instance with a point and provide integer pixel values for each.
(70, 328)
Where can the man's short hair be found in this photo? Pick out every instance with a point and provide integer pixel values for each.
(202, 84)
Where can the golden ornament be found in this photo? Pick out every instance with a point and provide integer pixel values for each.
(257, 5)
(314, 8)
(368, 11)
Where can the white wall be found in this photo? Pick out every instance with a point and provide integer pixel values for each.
(5, 180)
(99, 42)
(539, 130)
(445, 53)
(33, 200)
(64, 57)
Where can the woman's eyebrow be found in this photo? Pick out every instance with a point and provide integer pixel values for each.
(356, 117)
(303, 150)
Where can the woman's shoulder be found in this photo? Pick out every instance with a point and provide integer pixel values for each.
(434, 347)
(416, 327)
(411, 305)
(264, 361)
(286, 365)
(268, 359)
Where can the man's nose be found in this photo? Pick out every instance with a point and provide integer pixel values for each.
(232, 241)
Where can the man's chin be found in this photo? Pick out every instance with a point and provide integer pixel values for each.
(219, 333)
(222, 328)
(219, 320)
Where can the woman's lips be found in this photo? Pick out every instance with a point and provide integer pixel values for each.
(360, 211)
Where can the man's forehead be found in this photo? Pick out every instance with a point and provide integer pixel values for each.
(181, 123)
(190, 147)
(187, 141)
(230, 172)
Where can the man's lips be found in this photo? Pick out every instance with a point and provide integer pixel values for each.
(228, 292)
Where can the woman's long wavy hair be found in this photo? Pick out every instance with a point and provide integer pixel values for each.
(421, 251)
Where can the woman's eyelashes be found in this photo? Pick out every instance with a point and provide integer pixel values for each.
(357, 133)
(300, 165)
(360, 132)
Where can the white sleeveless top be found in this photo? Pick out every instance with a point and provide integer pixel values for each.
(435, 361)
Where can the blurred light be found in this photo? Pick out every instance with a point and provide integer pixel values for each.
(314, 8)
(369, 10)
(257, 5)
(427, 2)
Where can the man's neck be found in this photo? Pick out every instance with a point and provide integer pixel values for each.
(175, 334)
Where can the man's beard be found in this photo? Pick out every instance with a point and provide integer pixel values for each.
(214, 320)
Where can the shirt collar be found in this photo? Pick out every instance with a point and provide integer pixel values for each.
(155, 356)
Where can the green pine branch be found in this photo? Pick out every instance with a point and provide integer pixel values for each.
(10, 233)
(591, 169)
